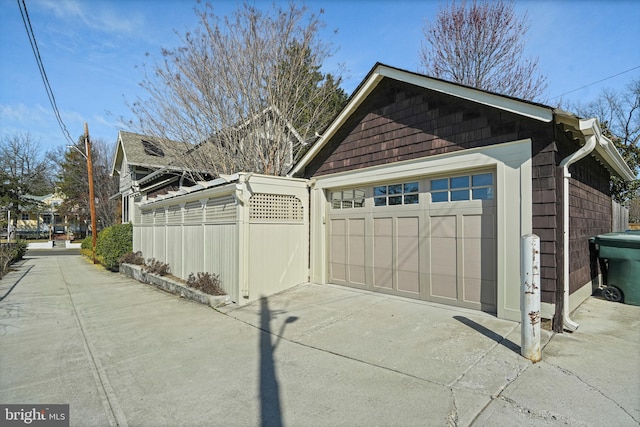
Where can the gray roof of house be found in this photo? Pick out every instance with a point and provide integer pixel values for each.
(149, 151)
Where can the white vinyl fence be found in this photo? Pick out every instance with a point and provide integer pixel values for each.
(250, 229)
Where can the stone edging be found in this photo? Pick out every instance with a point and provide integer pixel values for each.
(166, 284)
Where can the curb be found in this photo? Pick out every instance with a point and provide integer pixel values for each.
(166, 284)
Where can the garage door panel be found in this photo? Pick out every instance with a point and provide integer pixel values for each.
(383, 278)
(443, 226)
(338, 272)
(338, 249)
(338, 227)
(472, 290)
(479, 259)
(408, 254)
(444, 286)
(444, 256)
(356, 226)
(408, 281)
(356, 251)
(356, 248)
(408, 226)
(478, 226)
(480, 292)
(383, 227)
(438, 250)
(357, 274)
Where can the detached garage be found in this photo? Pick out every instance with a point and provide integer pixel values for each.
(423, 188)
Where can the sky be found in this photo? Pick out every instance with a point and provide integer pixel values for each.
(93, 52)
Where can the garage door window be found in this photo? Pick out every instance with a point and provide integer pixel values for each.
(396, 194)
(466, 187)
(348, 199)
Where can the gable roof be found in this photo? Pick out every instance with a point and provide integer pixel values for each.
(533, 110)
(144, 150)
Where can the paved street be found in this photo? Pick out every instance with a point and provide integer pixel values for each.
(123, 353)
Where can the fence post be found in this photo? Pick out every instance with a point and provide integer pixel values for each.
(530, 298)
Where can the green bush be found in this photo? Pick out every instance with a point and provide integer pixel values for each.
(87, 243)
(19, 249)
(10, 253)
(86, 249)
(113, 242)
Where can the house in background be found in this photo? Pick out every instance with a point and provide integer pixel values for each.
(422, 188)
(42, 220)
(145, 165)
(149, 166)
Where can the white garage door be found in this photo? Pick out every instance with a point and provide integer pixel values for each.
(431, 238)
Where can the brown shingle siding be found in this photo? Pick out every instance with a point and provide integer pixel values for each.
(400, 121)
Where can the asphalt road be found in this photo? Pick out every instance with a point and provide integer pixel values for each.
(37, 253)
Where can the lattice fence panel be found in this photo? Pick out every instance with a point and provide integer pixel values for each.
(193, 212)
(161, 216)
(275, 207)
(174, 214)
(221, 209)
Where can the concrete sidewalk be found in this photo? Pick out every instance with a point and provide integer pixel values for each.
(123, 353)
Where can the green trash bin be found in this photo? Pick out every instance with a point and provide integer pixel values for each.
(622, 252)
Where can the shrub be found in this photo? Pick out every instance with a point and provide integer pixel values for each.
(113, 242)
(207, 283)
(157, 267)
(19, 249)
(87, 243)
(135, 258)
(10, 253)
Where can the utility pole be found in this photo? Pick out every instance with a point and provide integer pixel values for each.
(92, 200)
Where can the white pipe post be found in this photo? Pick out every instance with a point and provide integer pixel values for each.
(530, 307)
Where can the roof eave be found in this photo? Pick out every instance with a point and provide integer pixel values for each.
(379, 71)
(605, 148)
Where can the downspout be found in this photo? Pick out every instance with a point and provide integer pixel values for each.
(585, 150)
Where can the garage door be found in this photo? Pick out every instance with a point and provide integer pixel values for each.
(430, 238)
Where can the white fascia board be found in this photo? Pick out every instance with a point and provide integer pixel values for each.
(119, 148)
(346, 112)
(610, 154)
(515, 106)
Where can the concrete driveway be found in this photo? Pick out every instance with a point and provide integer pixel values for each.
(123, 353)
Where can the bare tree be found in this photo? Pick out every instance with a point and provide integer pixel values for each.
(481, 45)
(25, 171)
(619, 115)
(237, 89)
